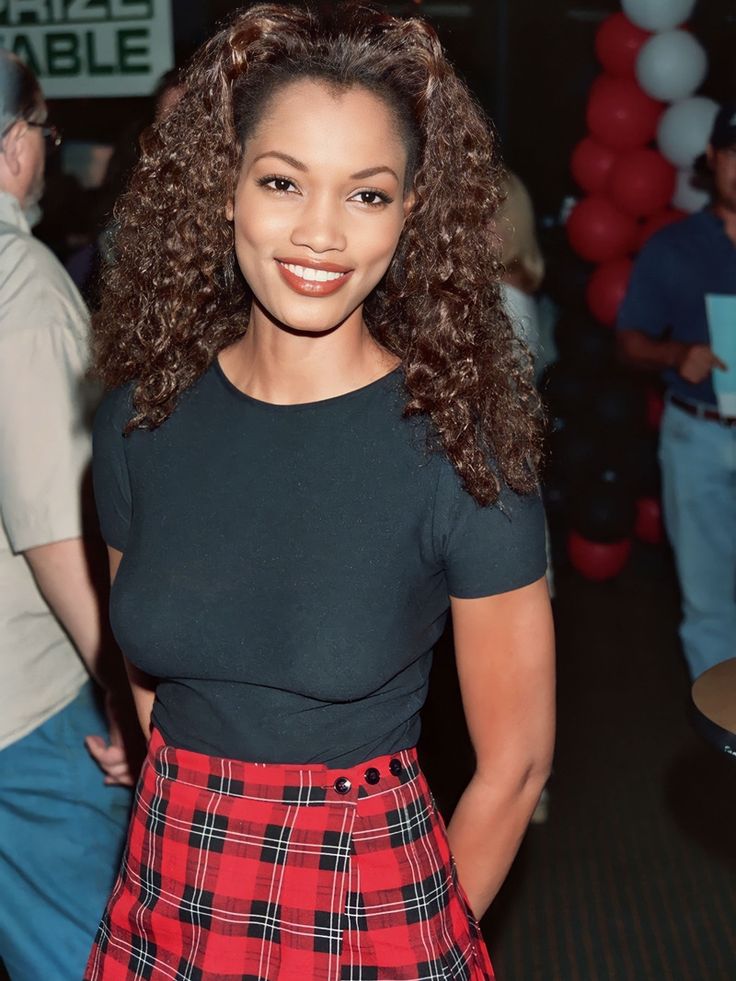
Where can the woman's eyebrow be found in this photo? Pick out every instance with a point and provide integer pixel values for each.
(292, 161)
(372, 171)
(298, 165)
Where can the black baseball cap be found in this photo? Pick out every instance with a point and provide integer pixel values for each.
(723, 133)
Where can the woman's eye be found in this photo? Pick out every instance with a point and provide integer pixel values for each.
(373, 199)
(281, 184)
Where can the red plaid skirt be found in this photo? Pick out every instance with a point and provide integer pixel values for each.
(256, 872)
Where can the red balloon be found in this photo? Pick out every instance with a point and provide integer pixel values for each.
(617, 44)
(642, 182)
(653, 224)
(607, 289)
(649, 527)
(620, 115)
(599, 232)
(595, 560)
(591, 164)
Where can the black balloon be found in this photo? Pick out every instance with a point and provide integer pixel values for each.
(567, 275)
(601, 512)
(582, 342)
(574, 450)
(619, 403)
(627, 462)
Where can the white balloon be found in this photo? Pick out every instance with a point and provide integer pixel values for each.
(671, 65)
(684, 130)
(686, 197)
(658, 15)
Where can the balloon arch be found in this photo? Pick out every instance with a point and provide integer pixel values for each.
(652, 67)
(646, 129)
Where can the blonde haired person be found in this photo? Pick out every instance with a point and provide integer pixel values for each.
(522, 259)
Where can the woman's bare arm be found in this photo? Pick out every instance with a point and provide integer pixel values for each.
(505, 658)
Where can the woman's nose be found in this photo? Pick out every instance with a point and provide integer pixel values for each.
(320, 226)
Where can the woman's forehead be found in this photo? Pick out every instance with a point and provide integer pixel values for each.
(328, 124)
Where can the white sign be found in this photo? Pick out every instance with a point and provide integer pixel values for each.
(90, 48)
(721, 311)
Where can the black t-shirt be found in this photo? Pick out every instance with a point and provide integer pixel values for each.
(287, 568)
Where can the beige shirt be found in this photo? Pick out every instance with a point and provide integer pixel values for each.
(44, 452)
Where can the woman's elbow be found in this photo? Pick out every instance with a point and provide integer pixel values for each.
(523, 776)
(535, 774)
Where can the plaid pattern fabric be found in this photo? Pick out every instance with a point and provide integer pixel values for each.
(258, 872)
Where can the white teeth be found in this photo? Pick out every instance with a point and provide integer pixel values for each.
(315, 275)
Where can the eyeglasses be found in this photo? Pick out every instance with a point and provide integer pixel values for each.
(51, 135)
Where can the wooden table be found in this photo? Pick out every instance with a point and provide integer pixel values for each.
(714, 700)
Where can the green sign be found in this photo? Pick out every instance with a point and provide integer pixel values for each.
(90, 48)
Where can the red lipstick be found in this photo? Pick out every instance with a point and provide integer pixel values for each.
(332, 276)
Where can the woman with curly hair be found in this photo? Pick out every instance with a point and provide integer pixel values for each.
(320, 435)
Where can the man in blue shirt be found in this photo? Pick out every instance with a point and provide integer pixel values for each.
(663, 325)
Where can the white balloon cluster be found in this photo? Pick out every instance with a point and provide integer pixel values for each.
(658, 15)
(670, 67)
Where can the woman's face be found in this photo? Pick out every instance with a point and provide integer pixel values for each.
(320, 204)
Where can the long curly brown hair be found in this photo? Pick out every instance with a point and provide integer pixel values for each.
(174, 296)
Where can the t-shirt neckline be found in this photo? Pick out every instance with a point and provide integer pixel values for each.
(296, 406)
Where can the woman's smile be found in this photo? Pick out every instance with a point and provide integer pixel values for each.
(313, 278)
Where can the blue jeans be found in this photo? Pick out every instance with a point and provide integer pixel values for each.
(61, 835)
(698, 458)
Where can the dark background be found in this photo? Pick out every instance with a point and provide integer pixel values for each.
(530, 63)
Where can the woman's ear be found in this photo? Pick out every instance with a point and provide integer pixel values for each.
(230, 210)
(410, 200)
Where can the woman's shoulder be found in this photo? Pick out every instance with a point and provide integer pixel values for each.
(453, 498)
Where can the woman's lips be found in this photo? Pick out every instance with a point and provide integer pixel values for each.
(313, 279)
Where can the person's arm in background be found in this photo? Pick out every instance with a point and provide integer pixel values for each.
(648, 308)
(693, 362)
(44, 454)
(62, 573)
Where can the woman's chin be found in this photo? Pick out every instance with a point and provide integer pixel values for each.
(305, 322)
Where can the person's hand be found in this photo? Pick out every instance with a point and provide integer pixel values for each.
(696, 362)
(113, 757)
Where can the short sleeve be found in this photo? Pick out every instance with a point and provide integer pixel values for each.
(488, 550)
(646, 306)
(110, 468)
(44, 433)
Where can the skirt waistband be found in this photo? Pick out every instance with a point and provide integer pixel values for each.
(309, 784)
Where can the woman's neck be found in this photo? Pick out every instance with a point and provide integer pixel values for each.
(275, 365)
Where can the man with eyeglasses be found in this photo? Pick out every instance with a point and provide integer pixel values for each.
(62, 824)
(679, 317)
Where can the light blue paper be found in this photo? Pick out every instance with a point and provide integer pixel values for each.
(721, 310)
